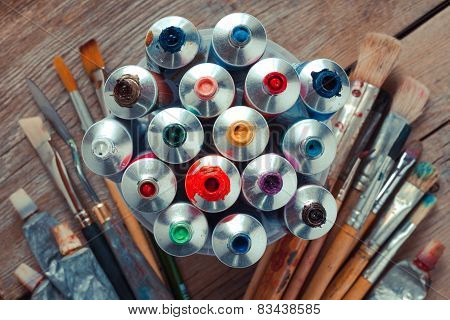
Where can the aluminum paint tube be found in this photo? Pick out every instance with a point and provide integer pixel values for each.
(324, 87)
(148, 185)
(130, 92)
(172, 42)
(311, 213)
(239, 240)
(175, 135)
(241, 133)
(181, 230)
(269, 182)
(107, 147)
(36, 283)
(207, 90)
(213, 183)
(271, 86)
(310, 146)
(238, 40)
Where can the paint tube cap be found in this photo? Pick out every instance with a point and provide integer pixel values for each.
(429, 255)
(67, 240)
(23, 203)
(28, 277)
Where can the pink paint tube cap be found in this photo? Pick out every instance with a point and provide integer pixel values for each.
(205, 88)
(429, 255)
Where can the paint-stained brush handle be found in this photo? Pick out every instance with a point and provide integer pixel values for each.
(359, 289)
(107, 261)
(335, 256)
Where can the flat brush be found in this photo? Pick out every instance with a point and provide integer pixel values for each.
(35, 282)
(71, 86)
(94, 66)
(408, 104)
(420, 181)
(39, 137)
(379, 263)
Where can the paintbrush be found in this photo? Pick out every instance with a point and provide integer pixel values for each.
(39, 137)
(377, 56)
(420, 181)
(408, 104)
(35, 282)
(94, 67)
(71, 86)
(379, 263)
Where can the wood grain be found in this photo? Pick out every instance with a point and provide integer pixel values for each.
(32, 32)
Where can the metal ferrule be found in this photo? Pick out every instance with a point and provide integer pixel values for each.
(311, 213)
(404, 281)
(83, 218)
(181, 229)
(348, 181)
(175, 135)
(269, 182)
(405, 200)
(403, 165)
(148, 185)
(107, 146)
(362, 97)
(81, 109)
(271, 86)
(102, 212)
(239, 240)
(207, 90)
(391, 129)
(201, 169)
(324, 87)
(367, 199)
(309, 145)
(172, 42)
(238, 40)
(98, 78)
(241, 133)
(130, 92)
(379, 263)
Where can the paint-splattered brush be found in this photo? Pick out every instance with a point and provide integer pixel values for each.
(423, 177)
(94, 66)
(408, 104)
(71, 86)
(379, 263)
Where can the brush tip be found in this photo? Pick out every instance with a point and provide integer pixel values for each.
(91, 57)
(64, 74)
(424, 176)
(35, 130)
(414, 149)
(410, 98)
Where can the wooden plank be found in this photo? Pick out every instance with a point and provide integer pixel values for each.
(32, 33)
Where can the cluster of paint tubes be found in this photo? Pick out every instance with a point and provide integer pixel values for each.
(212, 125)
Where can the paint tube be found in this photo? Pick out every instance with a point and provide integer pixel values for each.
(271, 86)
(78, 273)
(213, 183)
(175, 135)
(238, 41)
(172, 42)
(310, 146)
(207, 90)
(269, 182)
(311, 213)
(107, 147)
(36, 283)
(148, 185)
(130, 92)
(240, 133)
(239, 240)
(181, 230)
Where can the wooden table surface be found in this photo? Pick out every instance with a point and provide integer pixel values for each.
(32, 32)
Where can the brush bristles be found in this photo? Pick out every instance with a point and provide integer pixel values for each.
(414, 149)
(64, 74)
(377, 56)
(423, 209)
(35, 130)
(410, 98)
(91, 57)
(424, 176)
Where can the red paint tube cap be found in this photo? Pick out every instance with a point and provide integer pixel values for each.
(205, 88)
(209, 182)
(429, 255)
(275, 82)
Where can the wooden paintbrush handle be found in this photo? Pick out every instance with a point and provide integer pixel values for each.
(133, 227)
(303, 269)
(358, 290)
(259, 272)
(366, 226)
(330, 264)
(279, 271)
(348, 275)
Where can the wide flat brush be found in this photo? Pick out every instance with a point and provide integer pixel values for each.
(408, 104)
(423, 177)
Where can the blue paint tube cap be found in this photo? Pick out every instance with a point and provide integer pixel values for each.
(172, 39)
(240, 35)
